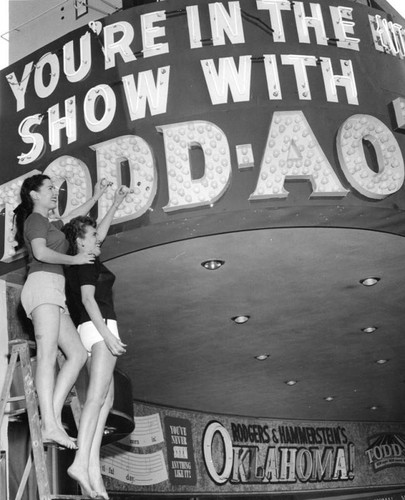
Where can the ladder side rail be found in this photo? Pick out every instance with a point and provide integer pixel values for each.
(4, 398)
(25, 476)
(34, 425)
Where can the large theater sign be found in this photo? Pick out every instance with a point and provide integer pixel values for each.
(221, 116)
(206, 108)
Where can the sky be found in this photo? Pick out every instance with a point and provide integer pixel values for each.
(399, 5)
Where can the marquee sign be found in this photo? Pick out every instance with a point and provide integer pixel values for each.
(214, 108)
(172, 450)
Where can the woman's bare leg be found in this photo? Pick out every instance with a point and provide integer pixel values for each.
(96, 479)
(101, 369)
(46, 320)
(76, 357)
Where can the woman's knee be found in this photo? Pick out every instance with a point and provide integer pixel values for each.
(95, 401)
(47, 353)
(100, 397)
(78, 357)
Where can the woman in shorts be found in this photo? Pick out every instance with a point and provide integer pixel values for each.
(43, 298)
(90, 302)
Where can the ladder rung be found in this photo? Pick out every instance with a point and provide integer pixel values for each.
(67, 497)
(14, 413)
(30, 343)
(16, 398)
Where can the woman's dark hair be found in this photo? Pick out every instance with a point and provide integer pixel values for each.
(24, 209)
(76, 228)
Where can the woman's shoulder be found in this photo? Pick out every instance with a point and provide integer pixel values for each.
(36, 219)
(36, 216)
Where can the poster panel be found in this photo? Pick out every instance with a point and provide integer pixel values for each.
(181, 451)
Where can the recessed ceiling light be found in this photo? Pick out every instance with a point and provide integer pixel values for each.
(382, 361)
(329, 398)
(239, 320)
(369, 329)
(213, 264)
(262, 357)
(291, 382)
(372, 280)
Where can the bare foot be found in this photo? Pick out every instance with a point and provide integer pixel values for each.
(80, 475)
(59, 437)
(64, 429)
(97, 484)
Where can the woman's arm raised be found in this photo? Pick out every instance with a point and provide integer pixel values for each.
(84, 209)
(104, 226)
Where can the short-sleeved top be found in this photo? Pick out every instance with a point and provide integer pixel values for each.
(101, 278)
(38, 226)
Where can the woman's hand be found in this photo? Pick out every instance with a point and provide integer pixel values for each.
(84, 258)
(100, 188)
(115, 345)
(120, 194)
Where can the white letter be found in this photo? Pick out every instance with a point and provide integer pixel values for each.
(275, 7)
(226, 469)
(315, 22)
(237, 80)
(304, 464)
(150, 32)
(56, 124)
(28, 137)
(52, 61)
(77, 177)
(340, 471)
(222, 22)
(121, 46)
(72, 74)
(388, 37)
(148, 90)
(273, 81)
(143, 175)
(90, 102)
(184, 190)
(399, 109)
(300, 63)
(342, 27)
(398, 38)
(390, 176)
(19, 88)
(345, 80)
(292, 152)
(287, 464)
(194, 30)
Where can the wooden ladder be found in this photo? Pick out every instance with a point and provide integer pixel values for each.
(20, 350)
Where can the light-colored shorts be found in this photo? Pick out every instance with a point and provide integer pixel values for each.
(89, 334)
(43, 287)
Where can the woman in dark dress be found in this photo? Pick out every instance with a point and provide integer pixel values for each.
(90, 302)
